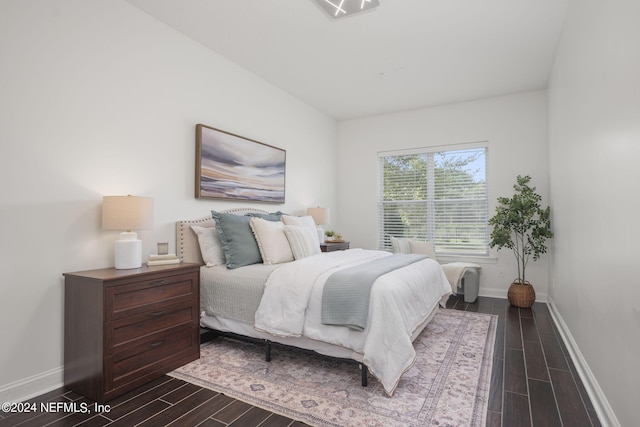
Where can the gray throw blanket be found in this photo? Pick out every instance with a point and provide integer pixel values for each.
(345, 298)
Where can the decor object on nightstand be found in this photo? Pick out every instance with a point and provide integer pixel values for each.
(157, 259)
(521, 225)
(333, 236)
(163, 248)
(127, 213)
(320, 217)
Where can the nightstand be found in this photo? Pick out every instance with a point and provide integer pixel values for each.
(123, 328)
(333, 246)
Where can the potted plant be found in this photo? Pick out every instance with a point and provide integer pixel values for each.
(333, 236)
(521, 225)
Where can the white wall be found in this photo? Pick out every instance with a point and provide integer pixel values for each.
(594, 151)
(514, 125)
(97, 98)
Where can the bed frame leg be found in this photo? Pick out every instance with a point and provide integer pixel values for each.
(268, 350)
(365, 372)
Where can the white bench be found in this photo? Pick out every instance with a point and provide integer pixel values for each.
(463, 277)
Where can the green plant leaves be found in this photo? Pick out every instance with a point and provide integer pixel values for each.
(521, 224)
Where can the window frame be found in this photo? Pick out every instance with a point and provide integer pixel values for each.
(431, 201)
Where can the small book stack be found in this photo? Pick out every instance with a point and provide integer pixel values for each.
(163, 259)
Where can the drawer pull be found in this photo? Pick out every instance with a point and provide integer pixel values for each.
(157, 313)
(158, 282)
(156, 344)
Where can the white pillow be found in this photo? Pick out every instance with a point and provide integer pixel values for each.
(400, 245)
(303, 221)
(210, 245)
(272, 242)
(423, 248)
(303, 240)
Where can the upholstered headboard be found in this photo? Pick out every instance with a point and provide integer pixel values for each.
(187, 246)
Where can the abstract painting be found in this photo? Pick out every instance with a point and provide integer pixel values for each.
(229, 166)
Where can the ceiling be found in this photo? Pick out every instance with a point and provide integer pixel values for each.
(403, 55)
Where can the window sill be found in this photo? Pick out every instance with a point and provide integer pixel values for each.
(461, 258)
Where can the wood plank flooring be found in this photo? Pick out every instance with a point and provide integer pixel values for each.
(534, 383)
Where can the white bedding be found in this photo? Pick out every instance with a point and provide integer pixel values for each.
(291, 307)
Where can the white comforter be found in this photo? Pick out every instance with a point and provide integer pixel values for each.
(291, 306)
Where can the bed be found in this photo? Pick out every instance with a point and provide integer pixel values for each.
(281, 301)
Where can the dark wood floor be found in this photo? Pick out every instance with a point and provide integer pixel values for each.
(534, 383)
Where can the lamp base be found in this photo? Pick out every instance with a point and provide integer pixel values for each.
(128, 251)
(320, 234)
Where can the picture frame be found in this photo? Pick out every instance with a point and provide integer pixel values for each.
(232, 167)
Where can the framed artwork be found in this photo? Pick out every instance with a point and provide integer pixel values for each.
(232, 167)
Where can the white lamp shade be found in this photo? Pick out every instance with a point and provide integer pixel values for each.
(127, 213)
(320, 215)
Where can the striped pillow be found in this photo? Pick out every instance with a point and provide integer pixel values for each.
(303, 241)
(272, 242)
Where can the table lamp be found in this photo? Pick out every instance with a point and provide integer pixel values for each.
(127, 213)
(320, 217)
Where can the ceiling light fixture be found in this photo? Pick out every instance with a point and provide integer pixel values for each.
(340, 8)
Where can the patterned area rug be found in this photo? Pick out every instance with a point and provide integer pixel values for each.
(447, 386)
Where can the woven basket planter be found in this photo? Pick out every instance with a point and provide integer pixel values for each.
(521, 294)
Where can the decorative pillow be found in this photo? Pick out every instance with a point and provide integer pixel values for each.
(239, 245)
(305, 221)
(400, 245)
(303, 240)
(210, 245)
(424, 248)
(272, 242)
(274, 216)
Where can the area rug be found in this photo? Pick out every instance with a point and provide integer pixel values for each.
(447, 386)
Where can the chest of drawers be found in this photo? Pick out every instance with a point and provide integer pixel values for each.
(124, 328)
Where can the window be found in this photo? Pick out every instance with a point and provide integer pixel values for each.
(435, 195)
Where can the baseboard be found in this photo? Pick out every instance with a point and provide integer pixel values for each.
(502, 294)
(492, 292)
(605, 413)
(35, 385)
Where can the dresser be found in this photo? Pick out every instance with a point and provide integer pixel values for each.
(123, 328)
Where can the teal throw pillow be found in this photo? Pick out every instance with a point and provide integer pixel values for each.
(238, 243)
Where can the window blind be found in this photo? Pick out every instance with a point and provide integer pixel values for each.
(435, 195)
